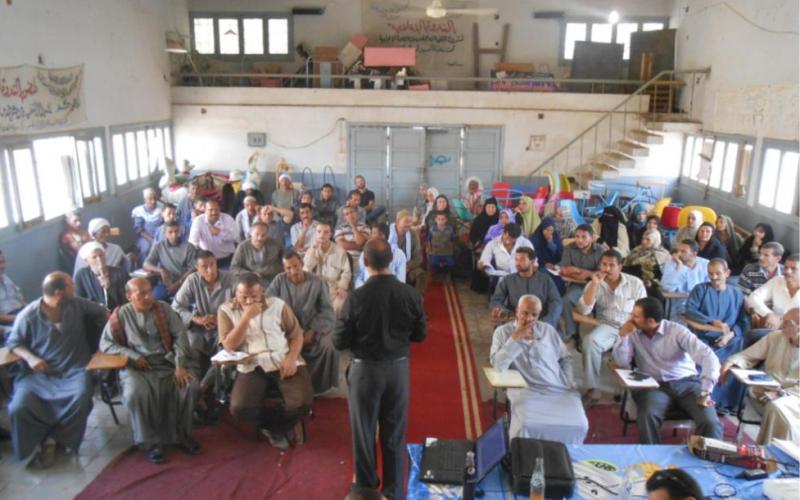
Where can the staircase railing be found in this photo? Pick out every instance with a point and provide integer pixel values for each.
(563, 153)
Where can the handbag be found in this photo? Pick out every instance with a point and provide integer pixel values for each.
(559, 478)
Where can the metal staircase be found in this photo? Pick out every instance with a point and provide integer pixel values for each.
(612, 145)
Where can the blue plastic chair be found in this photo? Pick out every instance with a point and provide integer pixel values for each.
(573, 209)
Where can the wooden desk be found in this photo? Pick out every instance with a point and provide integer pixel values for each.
(103, 361)
(670, 296)
(573, 280)
(490, 373)
(7, 357)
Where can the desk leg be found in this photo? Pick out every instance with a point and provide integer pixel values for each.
(494, 405)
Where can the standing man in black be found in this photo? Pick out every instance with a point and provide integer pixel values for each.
(377, 323)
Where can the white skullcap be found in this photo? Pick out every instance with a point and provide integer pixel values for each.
(284, 176)
(95, 225)
(235, 175)
(248, 185)
(89, 248)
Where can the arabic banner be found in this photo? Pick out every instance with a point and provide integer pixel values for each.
(444, 46)
(36, 98)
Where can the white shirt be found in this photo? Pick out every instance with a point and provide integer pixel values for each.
(775, 292)
(503, 259)
(614, 307)
(310, 239)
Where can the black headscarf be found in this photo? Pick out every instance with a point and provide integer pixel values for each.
(430, 220)
(745, 254)
(482, 223)
(609, 225)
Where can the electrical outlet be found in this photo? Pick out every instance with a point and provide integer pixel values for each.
(256, 139)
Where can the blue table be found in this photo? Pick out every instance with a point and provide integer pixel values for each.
(611, 467)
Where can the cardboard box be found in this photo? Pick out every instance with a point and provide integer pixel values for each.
(515, 67)
(323, 53)
(390, 56)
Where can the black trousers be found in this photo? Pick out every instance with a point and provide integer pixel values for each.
(378, 394)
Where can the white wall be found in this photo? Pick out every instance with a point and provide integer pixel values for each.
(121, 44)
(753, 85)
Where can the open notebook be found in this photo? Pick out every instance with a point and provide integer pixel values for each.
(508, 378)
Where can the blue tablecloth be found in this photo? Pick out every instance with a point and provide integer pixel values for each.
(613, 467)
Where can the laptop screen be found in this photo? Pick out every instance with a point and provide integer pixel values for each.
(491, 448)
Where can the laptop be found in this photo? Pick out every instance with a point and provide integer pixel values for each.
(443, 461)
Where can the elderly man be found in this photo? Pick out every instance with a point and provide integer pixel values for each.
(260, 255)
(769, 265)
(146, 221)
(267, 329)
(100, 282)
(173, 259)
(158, 388)
(407, 240)
(669, 353)
(527, 281)
(351, 234)
(307, 295)
(612, 294)
(247, 216)
(501, 250)
(329, 261)
(367, 201)
(550, 407)
(11, 300)
(305, 230)
(778, 351)
(100, 229)
(398, 264)
(55, 336)
(216, 232)
(771, 300)
(719, 308)
(353, 201)
(580, 261)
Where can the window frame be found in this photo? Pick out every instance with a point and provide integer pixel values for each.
(741, 140)
(240, 16)
(149, 172)
(588, 21)
(783, 146)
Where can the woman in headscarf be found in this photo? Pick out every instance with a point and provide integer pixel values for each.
(506, 215)
(474, 197)
(710, 247)
(530, 216)
(751, 248)
(547, 243)
(431, 194)
(689, 231)
(565, 224)
(481, 224)
(647, 260)
(611, 228)
(636, 225)
(440, 206)
(725, 232)
(654, 223)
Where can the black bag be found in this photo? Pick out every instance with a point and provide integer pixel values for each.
(559, 478)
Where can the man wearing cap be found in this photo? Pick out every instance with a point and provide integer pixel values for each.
(216, 232)
(247, 216)
(100, 229)
(98, 281)
(249, 188)
(284, 198)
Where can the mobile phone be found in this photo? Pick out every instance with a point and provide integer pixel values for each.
(759, 377)
(753, 474)
(639, 376)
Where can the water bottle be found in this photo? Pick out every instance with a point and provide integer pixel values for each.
(537, 480)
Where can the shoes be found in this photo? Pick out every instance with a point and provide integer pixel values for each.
(589, 401)
(47, 455)
(155, 454)
(190, 446)
(276, 440)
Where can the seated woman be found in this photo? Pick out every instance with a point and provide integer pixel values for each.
(646, 262)
(72, 238)
(526, 209)
(506, 216)
(440, 206)
(710, 247)
(481, 224)
(549, 249)
(725, 232)
(565, 224)
(637, 225)
(689, 231)
(611, 228)
(654, 223)
(426, 205)
(751, 248)
(474, 197)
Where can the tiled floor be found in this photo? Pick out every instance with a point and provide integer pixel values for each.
(105, 440)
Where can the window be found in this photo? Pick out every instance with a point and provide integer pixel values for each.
(778, 185)
(264, 36)
(139, 151)
(600, 31)
(716, 161)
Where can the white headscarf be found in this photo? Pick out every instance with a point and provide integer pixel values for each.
(95, 225)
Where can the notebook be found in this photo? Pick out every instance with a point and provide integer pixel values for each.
(443, 461)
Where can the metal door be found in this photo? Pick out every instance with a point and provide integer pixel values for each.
(368, 158)
(481, 155)
(443, 159)
(406, 151)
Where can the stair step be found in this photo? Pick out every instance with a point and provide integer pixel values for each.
(609, 174)
(634, 149)
(685, 126)
(626, 172)
(646, 137)
(620, 160)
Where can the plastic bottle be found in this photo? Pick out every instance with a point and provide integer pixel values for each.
(537, 480)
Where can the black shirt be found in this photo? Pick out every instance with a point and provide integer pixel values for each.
(379, 320)
(366, 197)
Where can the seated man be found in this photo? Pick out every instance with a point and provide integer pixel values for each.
(173, 259)
(185, 207)
(720, 308)
(684, 271)
(367, 201)
(669, 353)
(405, 238)
(550, 407)
(158, 388)
(278, 227)
(246, 217)
(260, 255)
(99, 282)
(55, 336)
(215, 232)
(769, 265)
(307, 295)
(327, 205)
(100, 229)
(351, 235)
(527, 281)
(329, 261)
(580, 261)
(276, 361)
(612, 294)
(146, 220)
(778, 351)
(770, 301)
(501, 250)
(168, 214)
(304, 231)
(353, 201)
(11, 300)
(398, 264)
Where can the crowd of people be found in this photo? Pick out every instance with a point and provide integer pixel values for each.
(293, 282)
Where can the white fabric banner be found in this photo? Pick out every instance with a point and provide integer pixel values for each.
(35, 98)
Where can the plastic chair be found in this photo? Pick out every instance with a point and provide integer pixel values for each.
(658, 208)
(709, 215)
(462, 212)
(500, 190)
(573, 209)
